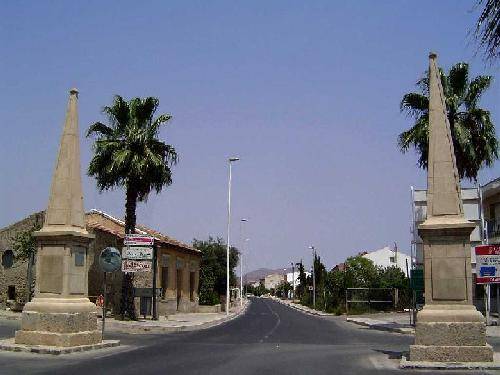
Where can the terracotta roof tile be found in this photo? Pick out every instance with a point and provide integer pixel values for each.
(102, 221)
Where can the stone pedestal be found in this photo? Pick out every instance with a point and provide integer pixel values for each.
(449, 328)
(60, 314)
(450, 333)
(59, 322)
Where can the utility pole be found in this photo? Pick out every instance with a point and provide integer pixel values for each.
(293, 281)
(314, 275)
(242, 244)
(228, 295)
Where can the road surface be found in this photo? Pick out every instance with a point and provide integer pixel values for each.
(269, 339)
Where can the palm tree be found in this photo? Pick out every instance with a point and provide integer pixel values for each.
(472, 130)
(488, 28)
(128, 154)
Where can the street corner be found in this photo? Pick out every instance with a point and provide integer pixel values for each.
(9, 345)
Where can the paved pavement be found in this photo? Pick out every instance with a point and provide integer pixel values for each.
(270, 338)
(172, 323)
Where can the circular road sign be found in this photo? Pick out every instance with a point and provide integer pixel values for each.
(110, 260)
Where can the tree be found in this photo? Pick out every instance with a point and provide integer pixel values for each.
(393, 277)
(129, 154)
(283, 288)
(213, 269)
(488, 28)
(301, 288)
(320, 276)
(24, 245)
(472, 130)
(360, 272)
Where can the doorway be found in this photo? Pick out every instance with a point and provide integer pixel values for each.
(179, 287)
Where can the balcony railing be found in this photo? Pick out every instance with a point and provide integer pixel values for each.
(493, 228)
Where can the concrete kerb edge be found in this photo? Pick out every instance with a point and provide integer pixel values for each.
(406, 364)
(10, 317)
(379, 327)
(9, 345)
(303, 309)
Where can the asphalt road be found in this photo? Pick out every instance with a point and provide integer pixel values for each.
(269, 339)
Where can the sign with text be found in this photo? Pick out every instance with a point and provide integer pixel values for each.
(487, 264)
(138, 253)
(138, 240)
(131, 265)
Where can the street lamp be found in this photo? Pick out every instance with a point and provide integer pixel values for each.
(230, 161)
(293, 281)
(242, 243)
(286, 280)
(314, 276)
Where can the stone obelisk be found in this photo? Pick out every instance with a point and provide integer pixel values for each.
(449, 328)
(61, 314)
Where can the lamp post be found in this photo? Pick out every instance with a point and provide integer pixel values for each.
(293, 281)
(242, 243)
(314, 276)
(228, 296)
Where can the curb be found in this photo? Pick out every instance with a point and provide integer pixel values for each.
(302, 309)
(406, 364)
(158, 329)
(10, 346)
(10, 317)
(382, 327)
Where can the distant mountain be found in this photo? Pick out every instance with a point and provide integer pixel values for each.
(253, 276)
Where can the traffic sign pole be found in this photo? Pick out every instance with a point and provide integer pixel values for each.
(155, 317)
(104, 307)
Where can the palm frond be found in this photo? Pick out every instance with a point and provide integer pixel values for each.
(99, 129)
(159, 121)
(476, 88)
(488, 28)
(458, 78)
(414, 104)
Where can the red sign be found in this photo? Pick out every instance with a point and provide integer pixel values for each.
(487, 264)
(488, 250)
(138, 240)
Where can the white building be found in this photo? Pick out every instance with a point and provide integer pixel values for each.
(470, 202)
(272, 281)
(388, 257)
(295, 275)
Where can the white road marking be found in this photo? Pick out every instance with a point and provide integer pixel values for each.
(275, 326)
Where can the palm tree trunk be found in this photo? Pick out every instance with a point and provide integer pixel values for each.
(127, 306)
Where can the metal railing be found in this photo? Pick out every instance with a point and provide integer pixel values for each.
(493, 228)
(373, 298)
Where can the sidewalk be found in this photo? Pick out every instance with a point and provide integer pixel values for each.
(302, 308)
(173, 323)
(399, 323)
(392, 322)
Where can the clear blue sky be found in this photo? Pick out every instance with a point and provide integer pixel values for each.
(305, 92)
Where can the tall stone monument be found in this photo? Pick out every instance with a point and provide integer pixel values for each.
(449, 328)
(61, 314)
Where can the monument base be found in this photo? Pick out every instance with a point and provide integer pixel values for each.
(450, 333)
(60, 322)
(424, 353)
(58, 339)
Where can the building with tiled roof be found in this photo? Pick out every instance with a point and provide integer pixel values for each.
(177, 266)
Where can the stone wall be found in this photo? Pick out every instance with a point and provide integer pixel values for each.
(16, 275)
